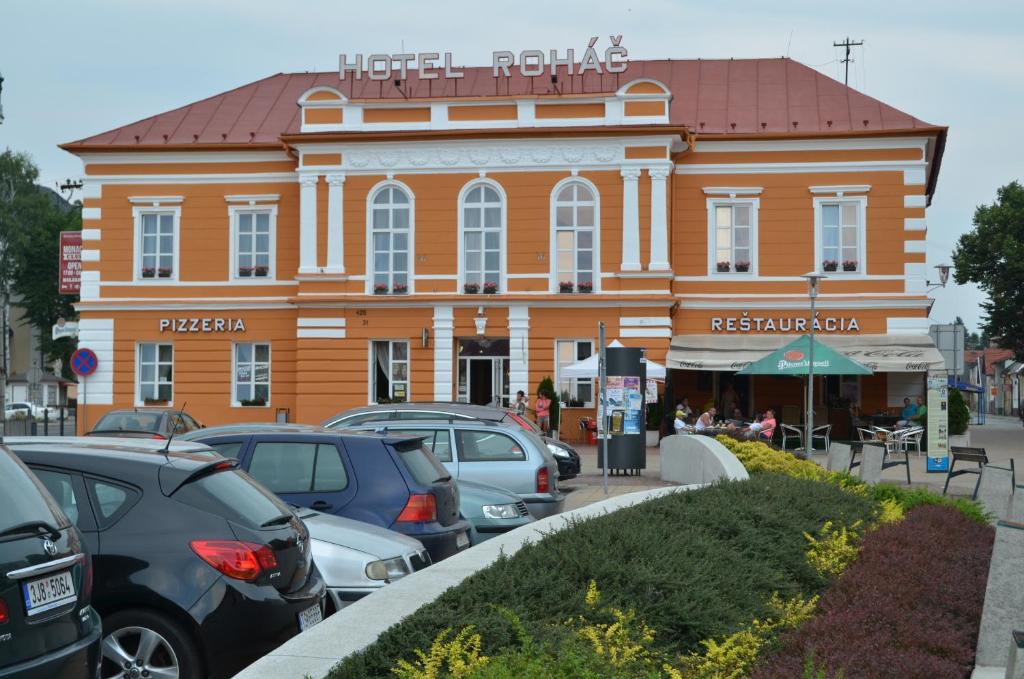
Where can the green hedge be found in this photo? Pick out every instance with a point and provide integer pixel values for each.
(694, 565)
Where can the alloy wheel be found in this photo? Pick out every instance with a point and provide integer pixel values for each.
(138, 653)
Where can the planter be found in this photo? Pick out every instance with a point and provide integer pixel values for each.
(490, 288)
(653, 436)
(565, 287)
(245, 271)
(380, 289)
(148, 273)
(471, 288)
(262, 271)
(253, 403)
(585, 288)
(849, 265)
(723, 267)
(400, 289)
(829, 265)
(742, 267)
(165, 273)
(154, 402)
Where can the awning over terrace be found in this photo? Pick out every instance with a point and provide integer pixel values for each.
(881, 353)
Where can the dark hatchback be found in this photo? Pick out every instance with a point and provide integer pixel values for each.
(47, 627)
(158, 423)
(389, 481)
(199, 570)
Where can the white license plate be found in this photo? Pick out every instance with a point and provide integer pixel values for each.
(462, 541)
(310, 617)
(44, 594)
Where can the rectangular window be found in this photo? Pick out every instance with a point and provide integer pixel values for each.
(156, 246)
(841, 235)
(253, 243)
(389, 371)
(573, 392)
(252, 374)
(156, 373)
(733, 236)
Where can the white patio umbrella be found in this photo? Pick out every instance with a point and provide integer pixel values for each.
(587, 368)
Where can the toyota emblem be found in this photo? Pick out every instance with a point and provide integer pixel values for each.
(49, 547)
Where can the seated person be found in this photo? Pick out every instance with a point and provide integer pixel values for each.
(920, 418)
(737, 417)
(768, 425)
(909, 410)
(679, 425)
(706, 420)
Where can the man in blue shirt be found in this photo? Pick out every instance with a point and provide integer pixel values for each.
(909, 410)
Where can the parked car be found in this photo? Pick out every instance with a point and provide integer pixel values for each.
(491, 511)
(199, 569)
(145, 423)
(388, 481)
(358, 558)
(565, 455)
(47, 626)
(499, 454)
(25, 409)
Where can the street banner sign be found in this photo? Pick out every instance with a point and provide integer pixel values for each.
(84, 362)
(64, 328)
(70, 262)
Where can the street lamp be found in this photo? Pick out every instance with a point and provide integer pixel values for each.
(812, 281)
(943, 277)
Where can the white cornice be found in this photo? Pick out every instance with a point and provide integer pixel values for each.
(733, 191)
(155, 200)
(840, 190)
(843, 144)
(802, 304)
(786, 168)
(256, 198)
(233, 178)
(149, 156)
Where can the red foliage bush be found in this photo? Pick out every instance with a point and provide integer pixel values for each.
(908, 607)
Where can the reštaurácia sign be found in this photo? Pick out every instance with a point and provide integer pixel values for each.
(530, 63)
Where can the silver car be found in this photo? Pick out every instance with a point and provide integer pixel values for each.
(357, 558)
(501, 454)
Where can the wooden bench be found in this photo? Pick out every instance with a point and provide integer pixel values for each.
(965, 454)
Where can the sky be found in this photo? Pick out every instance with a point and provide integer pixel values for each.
(73, 69)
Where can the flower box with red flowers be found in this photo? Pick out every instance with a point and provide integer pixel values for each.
(164, 272)
(380, 289)
(471, 288)
(850, 265)
(399, 288)
(148, 272)
(743, 267)
(585, 286)
(566, 286)
(829, 265)
(490, 288)
(723, 267)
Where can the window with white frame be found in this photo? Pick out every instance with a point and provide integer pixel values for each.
(156, 247)
(389, 224)
(841, 235)
(156, 372)
(253, 243)
(733, 236)
(575, 224)
(252, 374)
(482, 217)
(389, 371)
(572, 391)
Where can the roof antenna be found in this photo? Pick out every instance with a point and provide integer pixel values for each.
(789, 42)
(175, 428)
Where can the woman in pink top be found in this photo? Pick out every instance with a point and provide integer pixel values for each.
(768, 424)
(543, 404)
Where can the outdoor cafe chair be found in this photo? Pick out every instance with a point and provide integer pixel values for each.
(822, 433)
(913, 438)
(791, 432)
(866, 434)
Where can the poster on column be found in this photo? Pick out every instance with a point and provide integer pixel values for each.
(938, 423)
(632, 403)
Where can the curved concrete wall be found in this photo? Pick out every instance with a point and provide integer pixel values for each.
(317, 650)
(693, 458)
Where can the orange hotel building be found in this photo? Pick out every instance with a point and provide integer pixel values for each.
(304, 243)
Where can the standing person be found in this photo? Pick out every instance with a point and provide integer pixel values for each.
(522, 403)
(544, 412)
(729, 398)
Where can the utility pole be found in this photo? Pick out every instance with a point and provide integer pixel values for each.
(847, 44)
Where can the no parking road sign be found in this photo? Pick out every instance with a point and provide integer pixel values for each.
(84, 362)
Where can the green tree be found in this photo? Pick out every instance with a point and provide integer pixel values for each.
(547, 386)
(992, 255)
(31, 219)
(959, 413)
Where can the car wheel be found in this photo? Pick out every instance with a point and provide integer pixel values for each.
(139, 644)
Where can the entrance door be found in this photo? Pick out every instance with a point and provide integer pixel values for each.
(483, 374)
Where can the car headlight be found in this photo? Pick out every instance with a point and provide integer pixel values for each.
(501, 512)
(387, 569)
(558, 452)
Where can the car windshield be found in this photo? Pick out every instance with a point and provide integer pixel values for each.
(421, 463)
(25, 499)
(233, 494)
(129, 421)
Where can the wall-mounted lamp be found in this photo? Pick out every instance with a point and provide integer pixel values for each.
(943, 277)
(481, 321)
(425, 338)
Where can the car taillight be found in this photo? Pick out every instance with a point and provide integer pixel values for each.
(238, 560)
(542, 480)
(419, 508)
(158, 437)
(4, 617)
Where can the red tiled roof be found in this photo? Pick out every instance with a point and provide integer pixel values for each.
(748, 97)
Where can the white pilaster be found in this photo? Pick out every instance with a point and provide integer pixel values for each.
(659, 220)
(519, 349)
(444, 350)
(630, 219)
(98, 334)
(307, 223)
(336, 223)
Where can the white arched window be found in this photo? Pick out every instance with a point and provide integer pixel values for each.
(483, 219)
(575, 247)
(390, 236)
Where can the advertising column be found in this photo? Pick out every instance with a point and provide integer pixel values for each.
(938, 423)
(624, 400)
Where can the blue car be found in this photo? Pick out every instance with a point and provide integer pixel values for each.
(389, 481)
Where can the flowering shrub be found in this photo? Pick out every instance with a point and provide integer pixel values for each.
(456, 658)
(908, 607)
(834, 549)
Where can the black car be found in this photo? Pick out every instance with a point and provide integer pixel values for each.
(47, 627)
(160, 423)
(199, 569)
(565, 455)
(389, 481)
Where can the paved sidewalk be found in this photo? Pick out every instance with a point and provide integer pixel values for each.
(1001, 437)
